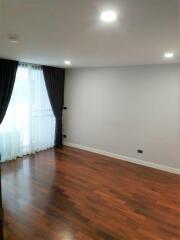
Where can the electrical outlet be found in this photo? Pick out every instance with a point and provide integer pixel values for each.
(140, 151)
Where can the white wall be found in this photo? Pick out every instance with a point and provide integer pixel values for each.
(120, 110)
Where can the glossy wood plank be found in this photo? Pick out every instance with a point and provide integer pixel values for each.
(70, 194)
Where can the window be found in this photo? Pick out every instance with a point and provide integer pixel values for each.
(29, 124)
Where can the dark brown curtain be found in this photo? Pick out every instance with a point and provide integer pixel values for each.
(8, 70)
(54, 79)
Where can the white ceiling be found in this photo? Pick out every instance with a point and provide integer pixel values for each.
(51, 31)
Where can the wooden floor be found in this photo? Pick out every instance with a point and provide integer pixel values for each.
(69, 194)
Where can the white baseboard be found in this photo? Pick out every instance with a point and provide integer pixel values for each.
(125, 158)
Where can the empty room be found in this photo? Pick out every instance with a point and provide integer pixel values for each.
(90, 120)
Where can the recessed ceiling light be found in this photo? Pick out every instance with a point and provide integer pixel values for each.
(13, 38)
(67, 62)
(169, 55)
(108, 16)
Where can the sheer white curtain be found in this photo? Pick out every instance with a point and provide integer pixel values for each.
(29, 123)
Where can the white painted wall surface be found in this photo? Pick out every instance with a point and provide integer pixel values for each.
(119, 110)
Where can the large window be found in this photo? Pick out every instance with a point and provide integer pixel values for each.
(29, 124)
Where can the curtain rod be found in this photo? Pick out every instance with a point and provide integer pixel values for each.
(35, 64)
